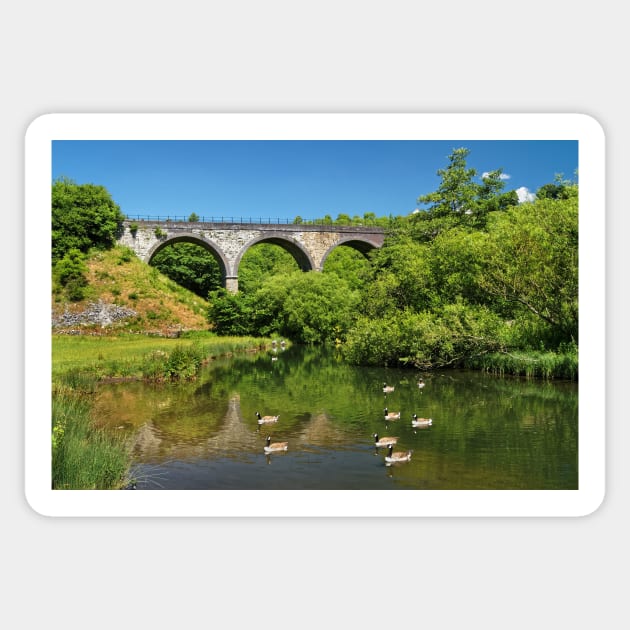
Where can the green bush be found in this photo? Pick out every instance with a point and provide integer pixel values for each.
(424, 340)
(71, 273)
(229, 313)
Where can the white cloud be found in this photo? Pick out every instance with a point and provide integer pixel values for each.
(524, 194)
(501, 176)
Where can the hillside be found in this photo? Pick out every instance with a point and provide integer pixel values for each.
(125, 294)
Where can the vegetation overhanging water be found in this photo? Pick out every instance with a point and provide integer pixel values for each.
(487, 433)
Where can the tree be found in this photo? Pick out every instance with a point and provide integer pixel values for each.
(400, 278)
(348, 264)
(193, 218)
(560, 189)
(229, 313)
(83, 216)
(490, 198)
(262, 261)
(191, 266)
(318, 308)
(459, 200)
(457, 192)
(343, 219)
(531, 261)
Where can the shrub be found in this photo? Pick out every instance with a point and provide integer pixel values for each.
(229, 313)
(425, 340)
(71, 273)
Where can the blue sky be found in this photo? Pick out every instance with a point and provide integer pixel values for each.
(286, 178)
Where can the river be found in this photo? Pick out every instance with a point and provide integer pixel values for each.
(487, 432)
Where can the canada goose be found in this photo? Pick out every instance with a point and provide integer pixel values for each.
(384, 441)
(391, 415)
(266, 419)
(388, 388)
(421, 422)
(272, 447)
(398, 456)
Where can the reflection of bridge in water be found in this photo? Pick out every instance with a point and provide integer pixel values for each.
(236, 434)
(309, 245)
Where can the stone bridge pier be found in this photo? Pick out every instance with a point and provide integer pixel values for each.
(309, 245)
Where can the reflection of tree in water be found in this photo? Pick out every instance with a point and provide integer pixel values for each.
(486, 430)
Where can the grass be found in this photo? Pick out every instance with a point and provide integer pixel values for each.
(117, 276)
(84, 457)
(547, 365)
(143, 356)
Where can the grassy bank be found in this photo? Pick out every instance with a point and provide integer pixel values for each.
(117, 277)
(85, 456)
(547, 365)
(144, 356)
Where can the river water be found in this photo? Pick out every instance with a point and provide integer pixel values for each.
(487, 432)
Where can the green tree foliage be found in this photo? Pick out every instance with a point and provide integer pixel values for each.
(474, 275)
(425, 340)
(193, 217)
(460, 200)
(229, 313)
(261, 262)
(457, 192)
(191, 266)
(531, 262)
(268, 313)
(83, 216)
(560, 189)
(455, 261)
(349, 264)
(490, 198)
(318, 307)
(400, 278)
(306, 307)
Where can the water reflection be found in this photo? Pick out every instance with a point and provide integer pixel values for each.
(487, 433)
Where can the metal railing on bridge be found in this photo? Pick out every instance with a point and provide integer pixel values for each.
(326, 223)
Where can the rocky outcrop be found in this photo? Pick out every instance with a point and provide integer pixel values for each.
(97, 313)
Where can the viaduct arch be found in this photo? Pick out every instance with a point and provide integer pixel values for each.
(309, 245)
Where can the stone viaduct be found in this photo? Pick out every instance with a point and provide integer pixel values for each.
(309, 244)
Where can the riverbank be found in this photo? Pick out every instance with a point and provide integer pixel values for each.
(144, 356)
(543, 365)
(86, 456)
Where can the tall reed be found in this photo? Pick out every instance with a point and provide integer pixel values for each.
(547, 365)
(84, 457)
